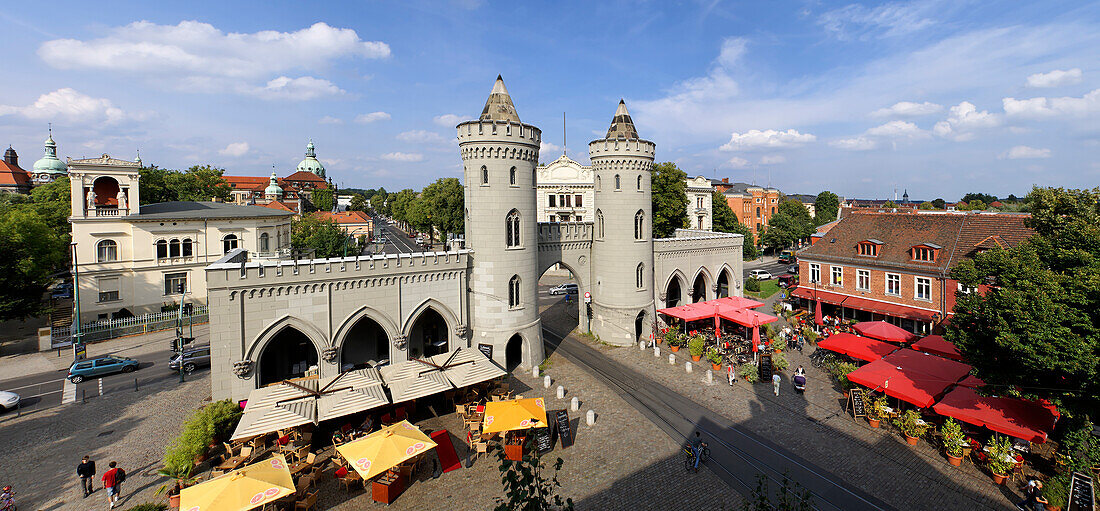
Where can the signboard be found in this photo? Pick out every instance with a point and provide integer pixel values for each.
(486, 349)
(80, 351)
(565, 431)
(766, 368)
(587, 297)
(1082, 496)
(855, 398)
(544, 439)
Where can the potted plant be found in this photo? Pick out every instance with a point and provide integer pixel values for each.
(1000, 459)
(749, 373)
(953, 441)
(674, 342)
(1056, 489)
(696, 346)
(715, 358)
(840, 371)
(876, 412)
(911, 425)
(779, 345)
(779, 362)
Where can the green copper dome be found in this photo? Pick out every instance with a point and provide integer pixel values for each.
(310, 163)
(50, 163)
(273, 189)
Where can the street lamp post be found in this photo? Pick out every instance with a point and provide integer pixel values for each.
(80, 352)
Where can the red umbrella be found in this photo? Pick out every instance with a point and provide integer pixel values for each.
(937, 345)
(755, 338)
(884, 331)
(817, 313)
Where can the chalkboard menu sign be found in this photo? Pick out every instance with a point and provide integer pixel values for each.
(855, 396)
(561, 419)
(766, 368)
(544, 439)
(1081, 493)
(486, 349)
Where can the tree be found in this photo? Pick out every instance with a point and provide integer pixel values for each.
(198, 183)
(788, 225)
(525, 486)
(445, 203)
(726, 221)
(358, 203)
(154, 185)
(1036, 330)
(791, 496)
(381, 204)
(669, 199)
(51, 201)
(33, 251)
(984, 197)
(826, 207)
(976, 205)
(324, 199)
(889, 204)
(926, 205)
(939, 203)
(323, 237)
(399, 204)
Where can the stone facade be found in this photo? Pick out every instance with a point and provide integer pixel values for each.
(700, 212)
(565, 191)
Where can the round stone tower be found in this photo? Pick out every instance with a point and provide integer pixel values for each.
(499, 155)
(622, 241)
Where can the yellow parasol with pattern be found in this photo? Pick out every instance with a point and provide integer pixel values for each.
(515, 414)
(385, 448)
(246, 488)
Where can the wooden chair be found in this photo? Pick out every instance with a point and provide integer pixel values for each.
(229, 450)
(481, 447)
(307, 503)
(352, 478)
(300, 453)
(310, 459)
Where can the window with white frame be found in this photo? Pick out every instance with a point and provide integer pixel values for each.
(837, 276)
(923, 288)
(106, 251)
(108, 289)
(893, 284)
(512, 229)
(863, 280)
(264, 242)
(815, 273)
(229, 242)
(175, 283)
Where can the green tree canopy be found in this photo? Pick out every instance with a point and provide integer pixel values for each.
(33, 251)
(669, 199)
(399, 204)
(726, 221)
(445, 202)
(323, 237)
(358, 203)
(889, 204)
(926, 205)
(381, 203)
(789, 224)
(939, 203)
(324, 199)
(198, 183)
(825, 207)
(1036, 330)
(984, 197)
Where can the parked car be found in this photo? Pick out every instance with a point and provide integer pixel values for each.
(62, 290)
(760, 275)
(8, 400)
(786, 281)
(564, 288)
(100, 366)
(788, 257)
(193, 357)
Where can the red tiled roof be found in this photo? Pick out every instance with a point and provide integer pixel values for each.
(256, 183)
(304, 176)
(282, 206)
(11, 175)
(344, 217)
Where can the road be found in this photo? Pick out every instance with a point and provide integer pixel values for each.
(397, 241)
(737, 455)
(773, 266)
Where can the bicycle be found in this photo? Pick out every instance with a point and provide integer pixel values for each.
(820, 356)
(689, 456)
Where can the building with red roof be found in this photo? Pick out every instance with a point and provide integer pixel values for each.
(12, 177)
(354, 223)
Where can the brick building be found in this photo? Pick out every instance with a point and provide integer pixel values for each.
(895, 266)
(753, 205)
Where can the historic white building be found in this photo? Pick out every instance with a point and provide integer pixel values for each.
(700, 210)
(565, 190)
(272, 320)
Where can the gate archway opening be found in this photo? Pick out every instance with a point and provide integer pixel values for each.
(513, 353)
(289, 354)
(428, 336)
(560, 299)
(639, 324)
(724, 284)
(365, 345)
(674, 293)
(699, 289)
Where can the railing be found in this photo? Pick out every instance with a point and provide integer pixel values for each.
(135, 325)
(111, 211)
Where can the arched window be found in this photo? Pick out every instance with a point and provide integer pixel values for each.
(511, 229)
(484, 175)
(229, 242)
(535, 177)
(513, 292)
(639, 182)
(187, 249)
(618, 182)
(512, 176)
(263, 242)
(162, 249)
(599, 183)
(174, 248)
(106, 251)
(639, 276)
(599, 224)
(639, 225)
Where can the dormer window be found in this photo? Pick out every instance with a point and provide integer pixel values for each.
(868, 248)
(924, 253)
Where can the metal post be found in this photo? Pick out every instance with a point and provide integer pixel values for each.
(78, 353)
(179, 328)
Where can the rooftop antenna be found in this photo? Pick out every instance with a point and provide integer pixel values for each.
(50, 124)
(564, 144)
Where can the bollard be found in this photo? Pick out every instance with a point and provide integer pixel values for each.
(561, 392)
(535, 372)
(641, 346)
(687, 366)
(657, 351)
(710, 377)
(574, 404)
(135, 385)
(671, 359)
(546, 381)
(590, 417)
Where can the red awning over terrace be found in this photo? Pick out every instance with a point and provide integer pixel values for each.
(1029, 420)
(736, 302)
(937, 345)
(689, 312)
(884, 331)
(910, 386)
(949, 371)
(863, 348)
(855, 302)
(745, 317)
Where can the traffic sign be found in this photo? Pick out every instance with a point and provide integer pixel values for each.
(587, 297)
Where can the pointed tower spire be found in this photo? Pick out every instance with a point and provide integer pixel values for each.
(621, 125)
(499, 106)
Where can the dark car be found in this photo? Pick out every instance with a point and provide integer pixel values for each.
(62, 290)
(100, 366)
(193, 357)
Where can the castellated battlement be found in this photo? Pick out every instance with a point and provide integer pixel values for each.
(227, 274)
(606, 147)
(498, 131)
(558, 232)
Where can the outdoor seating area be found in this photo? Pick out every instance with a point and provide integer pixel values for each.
(727, 331)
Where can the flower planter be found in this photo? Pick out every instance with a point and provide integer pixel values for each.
(695, 358)
(999, 478)
(174, 501)
(717, 367)
(954, 460)
(674, 348)
(1049, 507)
(873, 422)
(911, 440)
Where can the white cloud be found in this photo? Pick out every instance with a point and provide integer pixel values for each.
(372, 117)
(756, 139)
(448, 120)
(907, 109)
(963, 119)
(1024, 152)
(235, 149)
(422, 136)
(197, 57)
(1055, 78)
(772, 159)
(737, 163)
(898, 129)
(296, 89)
(397, 156)
(860, 143)
(546, 148)
(718, 84)
(328, 119)
(1040, 107)
(892, 19)
(69, 106)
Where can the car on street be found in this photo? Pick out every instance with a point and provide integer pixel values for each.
(760, 275)
(8, 400)
(193, 357)
(562, 289)
(788, 257)
(792, 268)
(62, 290)
(100, 366)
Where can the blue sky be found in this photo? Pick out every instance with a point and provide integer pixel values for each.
(936, 97)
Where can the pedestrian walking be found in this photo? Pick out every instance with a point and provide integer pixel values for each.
(112, 482)
(729, 374)
(86, 471)
(775, 383)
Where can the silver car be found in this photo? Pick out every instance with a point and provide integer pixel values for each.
(193, 357)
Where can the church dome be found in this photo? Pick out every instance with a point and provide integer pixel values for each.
(273, 189)
(50, 163)
(310, 163)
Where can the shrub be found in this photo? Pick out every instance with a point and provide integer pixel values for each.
(696, 346)
(911, 425)
(1000, 449)
(840, 371)
(877, 410)
(953, 438)
(779, 362)
(749, 371)
(1056, 489)
(217, 419)
(714, 356)
(752, 285)
(779, 345)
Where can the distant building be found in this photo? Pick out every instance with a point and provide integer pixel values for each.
(13, 179)
(47, 169)
(256, 190)
(700, 211)
(753, 205)
(564, 189)
(354, 223)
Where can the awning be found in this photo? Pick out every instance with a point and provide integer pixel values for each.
(464, 367)
(689, 312)
(1029, 420)
(947, 370)
(909, 386)
(937, 345)
(863, 348)
(738, 302)
(745, 317)
(413, 379)
(884, 331)
(855, 302)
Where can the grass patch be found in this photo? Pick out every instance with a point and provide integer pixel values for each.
(767, 289)
(545, 365)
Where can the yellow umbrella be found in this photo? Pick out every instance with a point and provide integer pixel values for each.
(245, 488)
(514, 414)
(385, 448)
